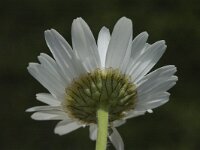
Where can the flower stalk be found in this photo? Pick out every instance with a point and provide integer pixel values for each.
(102, 134)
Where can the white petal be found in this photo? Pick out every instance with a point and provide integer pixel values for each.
(66, 126)
(102, 42)
(137, 49)
(49, 115)
(47, 79)
(116, 140)
(127, 58)
(134, 113)
(48, 99)
(159, 74)
(152, 88)
(63, 55)
(151, 103)
(93, 131)
(49, 63)
(138, 44)
(88, 65)
(157, 85)
(145, 98)
(44, 108)
(118, 123)
(143, 64)
(119, 43)
(84, 43)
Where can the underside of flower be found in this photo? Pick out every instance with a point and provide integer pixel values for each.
(106, 87)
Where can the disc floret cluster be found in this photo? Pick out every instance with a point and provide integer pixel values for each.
(108, 87)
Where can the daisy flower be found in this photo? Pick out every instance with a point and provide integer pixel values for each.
(100, 84)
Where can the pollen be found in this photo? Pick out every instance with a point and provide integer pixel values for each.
(109, 87)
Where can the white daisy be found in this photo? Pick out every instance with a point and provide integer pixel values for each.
(113, 72)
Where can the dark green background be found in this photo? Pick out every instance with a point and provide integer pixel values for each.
(174, 126)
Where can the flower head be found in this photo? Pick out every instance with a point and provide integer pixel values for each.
(114, 73)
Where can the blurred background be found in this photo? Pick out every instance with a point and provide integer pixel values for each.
(174, 126)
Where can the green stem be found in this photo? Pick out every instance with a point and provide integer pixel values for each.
(102, 117)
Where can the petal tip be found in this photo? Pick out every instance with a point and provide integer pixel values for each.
(28, 110)
(163, 42)
(104, 28)
(46, 31)
(56, 131)
(35, 117)
(145, 33)
(125, 20)
(31, 65)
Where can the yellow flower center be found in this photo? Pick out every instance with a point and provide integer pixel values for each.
(108, 87)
